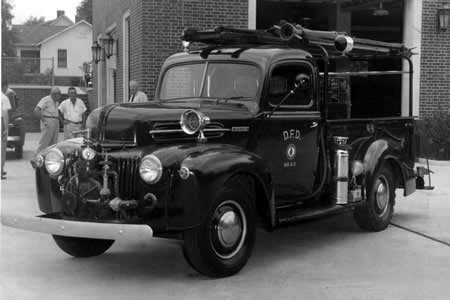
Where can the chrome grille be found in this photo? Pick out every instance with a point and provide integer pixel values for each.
(128, 171)
(173, 132)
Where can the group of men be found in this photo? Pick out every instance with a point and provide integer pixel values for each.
(71, 112)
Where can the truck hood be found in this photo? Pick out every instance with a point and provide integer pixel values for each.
(132, 122)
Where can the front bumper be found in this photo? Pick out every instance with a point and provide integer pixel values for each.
(52, 225)
(14, 139)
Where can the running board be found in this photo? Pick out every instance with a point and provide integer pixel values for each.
(301, 213)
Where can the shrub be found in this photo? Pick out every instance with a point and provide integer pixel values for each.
(437, 132)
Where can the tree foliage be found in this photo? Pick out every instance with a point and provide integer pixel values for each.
(84, 11)
(7, 32)
(437, 133)
(34, 20)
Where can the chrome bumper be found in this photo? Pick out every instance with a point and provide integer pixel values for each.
(14, 138)
(108, 231)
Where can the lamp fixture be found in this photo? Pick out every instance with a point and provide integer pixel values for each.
(443, 18)
(99, 53)
(380, 11)
(96, 52)
(108, 45)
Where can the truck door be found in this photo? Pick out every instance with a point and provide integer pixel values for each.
(289, 136)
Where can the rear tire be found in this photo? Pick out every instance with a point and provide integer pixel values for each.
(377, 213)
(223, 243)
(82, 247)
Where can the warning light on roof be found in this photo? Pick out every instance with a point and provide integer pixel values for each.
(343, 43)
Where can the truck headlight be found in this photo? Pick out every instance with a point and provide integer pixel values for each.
(192, 121)
(150, 169)
(54, 162)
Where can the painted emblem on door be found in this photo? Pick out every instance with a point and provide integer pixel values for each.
(292, 134)
(291, 151)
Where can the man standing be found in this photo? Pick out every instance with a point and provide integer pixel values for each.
(6, 106)
(136, 94)
(73, 111)
(47, 111)
(13, 100)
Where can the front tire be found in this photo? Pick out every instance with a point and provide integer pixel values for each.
(82, 247)
(377, 213)
(223, 243)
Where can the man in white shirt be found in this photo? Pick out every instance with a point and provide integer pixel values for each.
(6, 106)
(73, 111)
(47, 111)
(136, 94)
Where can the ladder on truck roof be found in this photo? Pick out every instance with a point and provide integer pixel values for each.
(287, 33)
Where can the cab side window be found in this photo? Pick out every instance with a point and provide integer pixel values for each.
(283, 80)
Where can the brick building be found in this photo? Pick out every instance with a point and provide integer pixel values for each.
(147, 32)
(435, 61)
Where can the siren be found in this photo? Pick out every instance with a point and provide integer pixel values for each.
(343, 43)
(288, 31)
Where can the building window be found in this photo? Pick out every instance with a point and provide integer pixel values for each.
(62, 58)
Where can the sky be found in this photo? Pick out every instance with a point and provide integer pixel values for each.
(23, 9)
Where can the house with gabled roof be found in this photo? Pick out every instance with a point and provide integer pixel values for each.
(58, 46)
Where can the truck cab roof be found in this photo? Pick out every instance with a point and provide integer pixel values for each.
(262, 55)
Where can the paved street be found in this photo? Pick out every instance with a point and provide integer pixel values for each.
(326, 259)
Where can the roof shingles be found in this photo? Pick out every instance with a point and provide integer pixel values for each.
(34, 34)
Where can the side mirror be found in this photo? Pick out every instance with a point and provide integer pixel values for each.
(302, 81)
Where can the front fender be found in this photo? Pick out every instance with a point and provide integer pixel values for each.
(210, 166)
(48, 192)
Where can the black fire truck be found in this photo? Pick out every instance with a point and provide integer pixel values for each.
(247, 127)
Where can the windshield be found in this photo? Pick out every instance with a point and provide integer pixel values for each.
(211, 80)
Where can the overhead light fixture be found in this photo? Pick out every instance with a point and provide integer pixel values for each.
(443, 18)
(380, 11)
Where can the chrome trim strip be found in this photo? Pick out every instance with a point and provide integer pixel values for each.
(216, 129)
(365, 73)
(156, 131)
(107, 144)
(108, 231)
(165, 131)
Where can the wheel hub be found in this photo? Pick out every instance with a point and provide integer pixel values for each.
(229, 229)
(382, 196)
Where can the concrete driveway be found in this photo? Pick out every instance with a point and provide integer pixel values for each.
(325, 259)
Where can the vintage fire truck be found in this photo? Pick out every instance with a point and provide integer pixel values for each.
(247, 128)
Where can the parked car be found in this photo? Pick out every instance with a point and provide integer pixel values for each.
(16, 128)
